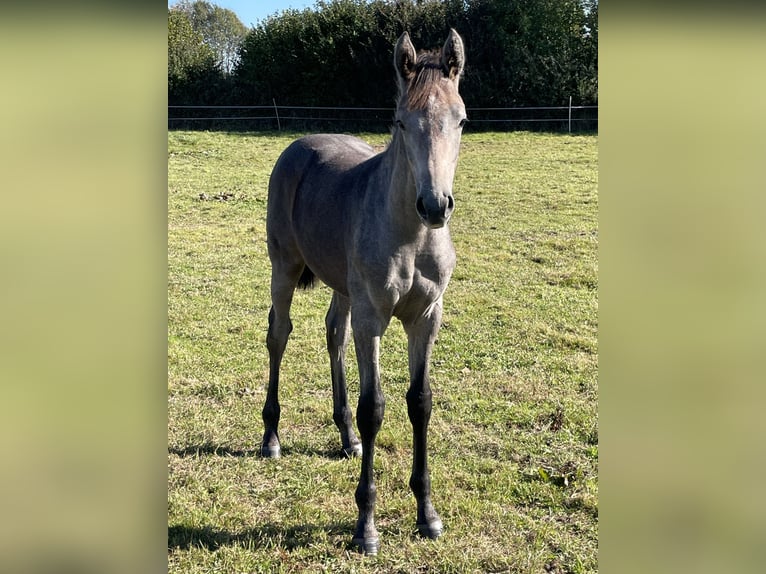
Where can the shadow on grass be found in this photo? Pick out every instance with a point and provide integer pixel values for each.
(208, 449)
(269, 535)
(211, 450)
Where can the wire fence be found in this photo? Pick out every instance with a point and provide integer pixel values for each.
(569, 118)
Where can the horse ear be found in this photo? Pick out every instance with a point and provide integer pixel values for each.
(453, 55)
(404, 57)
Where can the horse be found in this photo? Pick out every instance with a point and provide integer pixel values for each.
(373, 227)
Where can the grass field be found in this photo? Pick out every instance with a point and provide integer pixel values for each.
(514, 433)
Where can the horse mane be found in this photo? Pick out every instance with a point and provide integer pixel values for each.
(428, 71)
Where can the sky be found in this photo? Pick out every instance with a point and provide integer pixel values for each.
(250, 12)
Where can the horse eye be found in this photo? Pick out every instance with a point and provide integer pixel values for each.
(400, 124)
(463, 122)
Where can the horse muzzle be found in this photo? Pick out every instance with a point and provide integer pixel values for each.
(435, 211)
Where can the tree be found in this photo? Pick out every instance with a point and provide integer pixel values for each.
(336, 54)
(520, 52)
(187, 53)
(589, 53)
(193, 75)
(220, 29)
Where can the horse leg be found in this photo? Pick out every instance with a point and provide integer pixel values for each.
(421, 335)
(369, 416)
(282, 288)
(338, 322)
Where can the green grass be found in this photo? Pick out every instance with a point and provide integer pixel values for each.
(514, 432)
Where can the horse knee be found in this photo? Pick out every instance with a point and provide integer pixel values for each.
(419, 405)
(369, 414)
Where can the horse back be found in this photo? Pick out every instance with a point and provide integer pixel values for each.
(316, 188)
(317, 164)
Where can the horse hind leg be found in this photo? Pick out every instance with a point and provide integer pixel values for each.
(284, 280)
(338, 323)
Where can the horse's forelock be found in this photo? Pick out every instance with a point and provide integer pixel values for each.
(428, 71)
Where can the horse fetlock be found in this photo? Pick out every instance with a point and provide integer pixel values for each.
(354, 449)
(270, 447)
(271, 451)
(367, 546)
(350, 443)
(366, 536)
(432, 530)
(429, 524)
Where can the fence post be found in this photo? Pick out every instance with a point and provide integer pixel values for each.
(276, 113)
(570, 114)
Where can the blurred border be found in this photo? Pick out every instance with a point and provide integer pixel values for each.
(83, 295)
(682, 196)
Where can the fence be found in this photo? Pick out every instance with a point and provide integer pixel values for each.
(256, 118)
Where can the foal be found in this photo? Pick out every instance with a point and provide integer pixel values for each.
(374, 229)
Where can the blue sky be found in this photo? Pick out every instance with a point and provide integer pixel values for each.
(250, 12)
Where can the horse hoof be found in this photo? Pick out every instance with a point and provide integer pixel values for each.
(431, 530)
(353, 451)
(368, 547)
(271, 451)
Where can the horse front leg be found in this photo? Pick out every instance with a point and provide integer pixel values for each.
(369, 417)
(421, 336)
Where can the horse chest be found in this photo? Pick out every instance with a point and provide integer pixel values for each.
(417, 283)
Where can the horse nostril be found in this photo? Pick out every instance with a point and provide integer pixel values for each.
(450, 203)
(421, 208)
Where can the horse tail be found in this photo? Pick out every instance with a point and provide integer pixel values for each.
(307, 279)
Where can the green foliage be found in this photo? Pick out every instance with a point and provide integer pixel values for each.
(220, 28)
(519, 53)
(514, 433)
(192, 68)
(527, 52)
(187, 52)
(330, 56)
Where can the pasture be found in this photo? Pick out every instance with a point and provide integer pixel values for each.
(514, 432)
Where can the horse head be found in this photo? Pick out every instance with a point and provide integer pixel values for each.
(430, 115)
